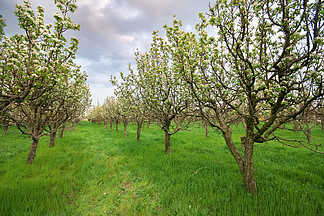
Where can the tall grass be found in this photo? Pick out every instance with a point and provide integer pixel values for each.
(95, 171)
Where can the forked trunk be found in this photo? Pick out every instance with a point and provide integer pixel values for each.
(139, 129)
(32, 151)
(167, 142)
(248, 169)
(227, 134)
(52, 139)
(5, 129)
(246, 163)
(307, 130)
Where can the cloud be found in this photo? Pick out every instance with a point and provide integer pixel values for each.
(111, 30)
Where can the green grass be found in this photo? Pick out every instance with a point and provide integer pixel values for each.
(95, 171)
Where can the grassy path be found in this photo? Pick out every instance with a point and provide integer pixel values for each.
(95, 171)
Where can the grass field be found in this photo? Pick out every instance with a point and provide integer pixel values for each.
(95, 171)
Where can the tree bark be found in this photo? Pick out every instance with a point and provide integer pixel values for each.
(167, 142)
(5, 129)
(248, 169)
(167, 136)
(110, 125)
(62, 130)
(227, 134)
(295, 126)
(116, 126)
(244, 124)
(139, 129)
(52, 139)
(206, 130)
(309, 136)
(308, 129)
(125, 129)
(32, 151)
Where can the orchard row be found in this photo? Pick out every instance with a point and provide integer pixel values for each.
(41, 87)
(255, 62)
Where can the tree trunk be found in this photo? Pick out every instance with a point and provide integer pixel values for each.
(62, 130)
(248, 170)
(167, 142)
(295, 126)
(309, 136)
(309, 130)
(5, 129)
(110, 125)
(32, 151)
(116, 126)
(106, 124)
(148, 124)
(52, 139)
(139, 129)
(125, 129)
(246, 163)
(206, 130)
(244, 124)
(227, 134)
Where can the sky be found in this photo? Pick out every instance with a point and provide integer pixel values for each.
(111, 30)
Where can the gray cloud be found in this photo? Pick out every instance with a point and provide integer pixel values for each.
(111, 30)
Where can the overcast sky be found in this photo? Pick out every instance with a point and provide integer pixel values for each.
(111, 30)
